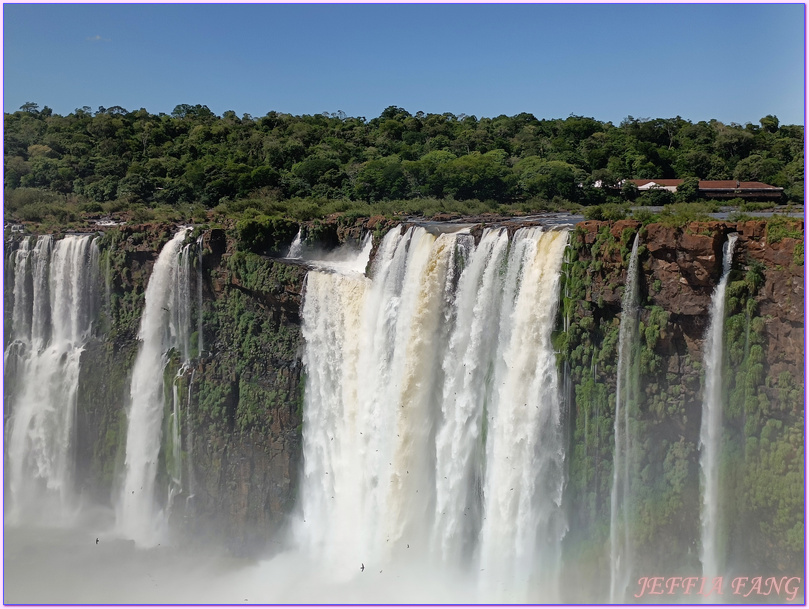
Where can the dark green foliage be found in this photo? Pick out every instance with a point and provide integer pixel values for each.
(608, 211)
(265, 235)
(680, 214)
(763, 460)
(119, 158)
(257, 342)
(688, 191)
(656, 197)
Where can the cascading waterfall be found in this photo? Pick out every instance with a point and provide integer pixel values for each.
(164, 325)
(55, 301)
(431, 423)
(625, 397)
(108, 284)
(181, 328)
(200, 341)
(467, 367)
(521, 538)
(190, 447)
(710, 436)
(296, 249)
(180, 321)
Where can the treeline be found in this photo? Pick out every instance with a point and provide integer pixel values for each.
(193, 156)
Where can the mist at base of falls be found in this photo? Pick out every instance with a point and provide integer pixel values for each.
(65, 566)
(116, 571)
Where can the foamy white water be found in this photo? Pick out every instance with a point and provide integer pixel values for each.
(200, 341)
(345, 259)
(296, 249)
(400, 372)
(55, 293)
(620, 497)
(137, 514)
(524, 524)
(710, 437)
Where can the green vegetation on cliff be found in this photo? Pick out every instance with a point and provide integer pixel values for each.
(763, 454)
(762, 462)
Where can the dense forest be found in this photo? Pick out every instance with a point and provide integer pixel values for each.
(113, 159)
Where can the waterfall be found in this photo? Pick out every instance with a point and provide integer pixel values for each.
(190, 446)
(200, 341)
(296, 249)
(467, 368)
(164, 325)
(431, 418)
(54, 306)
(108, 286)
(710, 436)
(625, 397)
(180, 326)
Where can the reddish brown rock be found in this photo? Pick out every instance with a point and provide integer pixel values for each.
(617, 229)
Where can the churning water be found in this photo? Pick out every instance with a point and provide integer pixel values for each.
(432, 430)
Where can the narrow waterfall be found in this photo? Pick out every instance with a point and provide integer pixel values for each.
(625, 401)
(181, 328)
(55, 297)
(200, 341)
(431, 418)
(180, 321)
(710, 437)
(296, 249)
(189, 504)
(160, 330)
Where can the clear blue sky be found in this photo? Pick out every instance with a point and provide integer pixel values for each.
(735, 63)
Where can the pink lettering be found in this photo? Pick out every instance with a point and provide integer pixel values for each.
(673, 582)
(716, 586)
(642, 583)
(738, 583)
(792, 591)
(689, 583)
(656, 581)
(745, 586)
(773, 583)
(756, 587)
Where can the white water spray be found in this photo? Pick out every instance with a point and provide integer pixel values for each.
(161, 328)
(625, 396)
(200, 341)
(710, 436)
(55, 294)
(296, 249)
(524, 526)
(395, 461)
(467, 367)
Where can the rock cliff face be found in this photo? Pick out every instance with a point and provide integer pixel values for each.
(242, 394)
(679, 268)
(246, 397)
(241, 397)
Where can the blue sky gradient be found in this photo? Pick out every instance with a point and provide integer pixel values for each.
(735, 63)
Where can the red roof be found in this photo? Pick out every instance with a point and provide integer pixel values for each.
(710, 184)
(733, 184)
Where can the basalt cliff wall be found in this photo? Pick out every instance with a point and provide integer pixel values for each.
(762, 453)
(243, 401)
